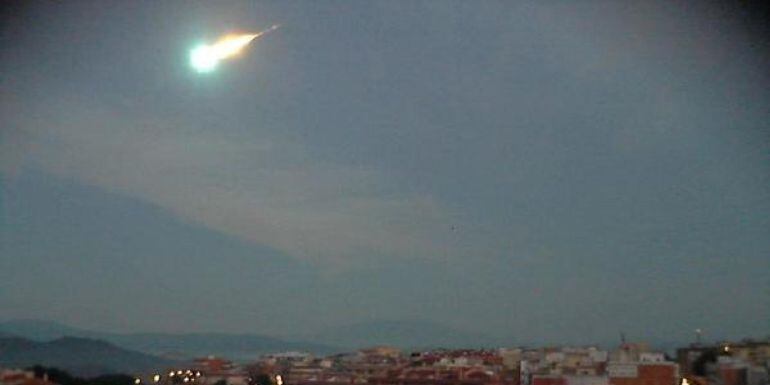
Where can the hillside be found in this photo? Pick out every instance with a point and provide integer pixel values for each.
(183, 346)
(80, 356)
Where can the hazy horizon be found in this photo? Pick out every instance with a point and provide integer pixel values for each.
(49, 330)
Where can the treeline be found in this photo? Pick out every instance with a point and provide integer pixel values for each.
(62, 377)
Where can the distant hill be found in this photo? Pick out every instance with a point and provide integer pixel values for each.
(178, 346)
(233, 346)
(12, 344)
(6, 335)
(40, 330)
(403, 334)
(80, 356)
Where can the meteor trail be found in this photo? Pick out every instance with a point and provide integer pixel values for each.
(204, 58)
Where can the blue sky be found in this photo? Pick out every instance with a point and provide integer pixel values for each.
(533, 171)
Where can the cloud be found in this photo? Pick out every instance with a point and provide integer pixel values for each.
(251, 185)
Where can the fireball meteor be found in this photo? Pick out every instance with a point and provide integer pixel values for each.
(205, 57)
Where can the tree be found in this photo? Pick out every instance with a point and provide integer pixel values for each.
(62, 377)
(112, 379)
(262, 379)
(58, 376)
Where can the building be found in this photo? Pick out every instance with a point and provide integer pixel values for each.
(643, 373)
(22, 377)
(216, 368)
(703, 360)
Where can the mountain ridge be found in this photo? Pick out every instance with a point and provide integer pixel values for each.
(84, 357)
(240, 346)
(405, 334)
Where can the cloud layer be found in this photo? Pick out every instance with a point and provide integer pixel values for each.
(256, 187)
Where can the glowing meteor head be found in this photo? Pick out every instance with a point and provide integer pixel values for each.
(204, 58)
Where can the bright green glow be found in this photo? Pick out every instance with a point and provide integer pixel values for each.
(203, 58)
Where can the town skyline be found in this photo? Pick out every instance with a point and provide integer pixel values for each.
(629, 363)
